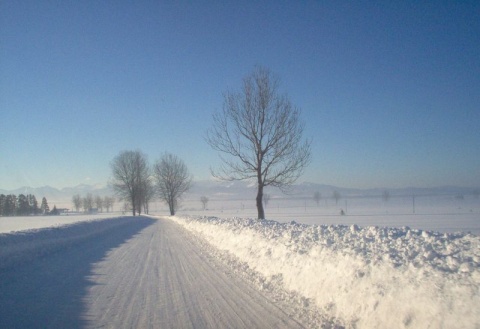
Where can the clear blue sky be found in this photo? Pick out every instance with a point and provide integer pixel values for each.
(389, 90)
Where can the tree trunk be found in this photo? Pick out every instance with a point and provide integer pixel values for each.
(261, 212)
(133, 206)
(171, 204)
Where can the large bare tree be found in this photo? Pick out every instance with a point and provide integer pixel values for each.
(259, 134)
(172, 180)
(130, 171)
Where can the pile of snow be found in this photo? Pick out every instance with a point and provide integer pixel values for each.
(364, 277)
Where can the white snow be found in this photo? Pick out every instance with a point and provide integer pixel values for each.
(128, 272)
(436, 213)
(380, 265)
(21, 246)
(363, 277)
(22, 223)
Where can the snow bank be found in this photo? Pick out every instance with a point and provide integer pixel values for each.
(368, 277)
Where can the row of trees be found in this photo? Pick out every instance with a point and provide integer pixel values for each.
(258, 133)
(317, 196)
(89, 202)
(135, 182)
(23, 205)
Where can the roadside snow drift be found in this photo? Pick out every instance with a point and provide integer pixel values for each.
(368, 277)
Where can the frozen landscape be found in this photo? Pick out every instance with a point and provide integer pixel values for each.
(141, 141)
(125, 272)
(379, 265)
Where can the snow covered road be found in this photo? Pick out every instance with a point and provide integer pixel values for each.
(138, 273)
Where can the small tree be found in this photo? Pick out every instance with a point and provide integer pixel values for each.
(23, 208)
(108, 202)
(317, 196)
(2, 204)
(32, 201)
(386, 196)
(172, 180)
(45, 209)
(99, 203)
(260, 135)
(54, 211)
(204, 201)
(10, 205)
(77, 202)
(336, 195)
(87, 202)
(266, 199)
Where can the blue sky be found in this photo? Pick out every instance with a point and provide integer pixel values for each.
(389, 90)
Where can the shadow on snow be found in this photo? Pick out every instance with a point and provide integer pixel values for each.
(46, 286)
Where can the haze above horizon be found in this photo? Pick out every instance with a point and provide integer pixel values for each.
(389, 92)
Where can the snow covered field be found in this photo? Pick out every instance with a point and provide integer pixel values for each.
(368, 277)
(25, 242)
(12, 224)
(395, 264)
(435, 213)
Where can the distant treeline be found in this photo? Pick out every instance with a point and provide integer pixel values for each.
(27, 205)
(90, 203)
(23, 205)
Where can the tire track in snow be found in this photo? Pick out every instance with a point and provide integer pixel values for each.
(161, 279)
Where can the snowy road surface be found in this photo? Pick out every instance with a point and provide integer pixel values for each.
(140, 273)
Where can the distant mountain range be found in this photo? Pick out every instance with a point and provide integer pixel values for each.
(242, 190)
(245, 190)
(52, 193)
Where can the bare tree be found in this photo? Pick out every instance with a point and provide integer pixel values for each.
(259, 134)
(266, 199)
(172, 180)
(386, 195)
(108, 203)
(317, 196)
(77, 202)
(99, 203)
(336, 195)
(204, 201)
(88, 202)
(130, 171)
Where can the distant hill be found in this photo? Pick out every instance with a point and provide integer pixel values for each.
(61, 197)
(242, 190)
(246, 190)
